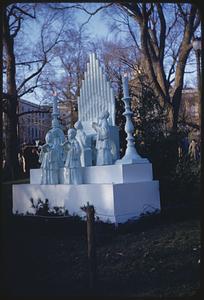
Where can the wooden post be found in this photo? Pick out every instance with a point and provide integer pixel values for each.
(90, 213)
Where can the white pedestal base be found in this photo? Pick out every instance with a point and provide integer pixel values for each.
(120, 173)
(118, 192)
(115, 203)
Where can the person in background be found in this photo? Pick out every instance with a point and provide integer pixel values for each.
(21, 160)
(193, 150)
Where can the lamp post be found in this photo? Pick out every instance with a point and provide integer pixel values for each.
(197, 48)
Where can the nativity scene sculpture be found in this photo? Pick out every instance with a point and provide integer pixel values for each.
(85, 166)
(94, 134)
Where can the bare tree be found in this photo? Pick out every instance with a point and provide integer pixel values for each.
(161, 36)
(18, 82)
(65, 73)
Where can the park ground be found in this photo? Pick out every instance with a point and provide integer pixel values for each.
(156, 256)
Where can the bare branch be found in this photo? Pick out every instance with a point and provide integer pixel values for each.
(154, 44)
(81, 7)
(173, 23)
(133, 10)
(28, 62)
(32, 75)
(132, 34)
(44, 61)
(10, 12)
(13, 35)
(94, 12)
(182, 13)
(172, 68)
(63, 7)
(189, 72)
(31, 89)
(162, 31)
(86, 22)
(197, 22)
(171, 81)
(22, 11)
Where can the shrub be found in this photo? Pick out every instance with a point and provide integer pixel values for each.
(43, 209)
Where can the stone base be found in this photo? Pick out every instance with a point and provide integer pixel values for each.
(121, 173)
(118, 192)
(115, 203)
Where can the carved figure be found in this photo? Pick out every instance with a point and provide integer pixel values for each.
(58, 140)
(86, 155)
(49, 160)
(72, 174)
(103, 145)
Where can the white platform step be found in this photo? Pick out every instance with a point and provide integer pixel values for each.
(107, 174)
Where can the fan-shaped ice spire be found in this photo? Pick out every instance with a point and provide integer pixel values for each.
(96, 94)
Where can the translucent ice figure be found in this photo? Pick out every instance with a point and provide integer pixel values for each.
(103, 145)
(49, 159)
(72, 173)
(86, 153)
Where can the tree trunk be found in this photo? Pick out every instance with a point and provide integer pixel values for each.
(11, 136)
(11, 141)
(153, 48)
(1, 135)
(176, 101)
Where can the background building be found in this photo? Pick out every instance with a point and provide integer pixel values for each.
(34, 121)
(190, 110)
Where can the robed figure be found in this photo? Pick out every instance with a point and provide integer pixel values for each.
(73, 172)
(103, 143)
(50, 162)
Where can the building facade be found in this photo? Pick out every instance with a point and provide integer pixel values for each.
(33, 123)
(190, 108)
(35, 120)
